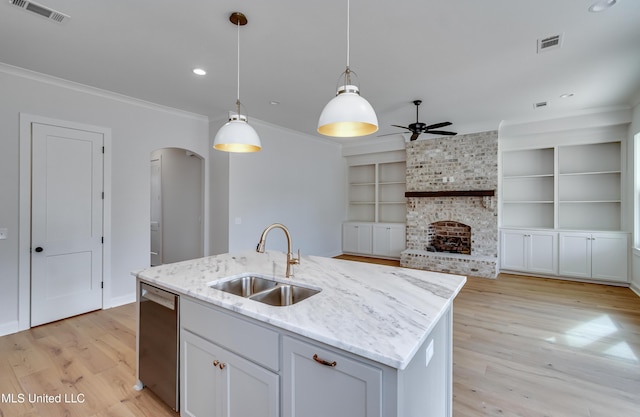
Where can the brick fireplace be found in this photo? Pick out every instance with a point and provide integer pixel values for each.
(451, 205)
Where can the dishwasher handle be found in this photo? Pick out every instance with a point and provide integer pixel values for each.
(165, 299)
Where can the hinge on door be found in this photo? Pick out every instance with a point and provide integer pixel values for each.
(102, 284)
(103, 149)
(102, 239)
(103, 195)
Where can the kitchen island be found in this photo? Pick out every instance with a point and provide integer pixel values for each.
(375, 341)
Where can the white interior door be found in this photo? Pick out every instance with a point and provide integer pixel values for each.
(66, 216)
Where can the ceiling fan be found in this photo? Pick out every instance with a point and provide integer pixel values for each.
(418, 127)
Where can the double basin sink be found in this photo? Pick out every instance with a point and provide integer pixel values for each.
(265, 290)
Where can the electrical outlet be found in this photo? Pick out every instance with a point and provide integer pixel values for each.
(3, 233)
(444, 179)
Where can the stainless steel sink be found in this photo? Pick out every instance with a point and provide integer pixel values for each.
(265, 290)
(245, 286)
(284, 295)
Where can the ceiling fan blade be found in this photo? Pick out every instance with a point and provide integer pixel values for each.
(441, 132)
(414, 136)
(401, 127)
(438, 125)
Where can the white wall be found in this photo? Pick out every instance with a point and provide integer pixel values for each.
(137, 128)
(297, 180)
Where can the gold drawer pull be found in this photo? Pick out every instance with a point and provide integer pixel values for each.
(222, 365)
(216, 362)
(323, 362)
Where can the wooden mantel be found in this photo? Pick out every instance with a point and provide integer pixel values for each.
(462, 193)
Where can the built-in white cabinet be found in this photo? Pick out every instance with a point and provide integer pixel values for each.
(561, 210)
(322, 382)
(357, 238)
(216, 382)
(599, 256)
(380, 239)
(529, 251)
(389, 240)
(377, 209)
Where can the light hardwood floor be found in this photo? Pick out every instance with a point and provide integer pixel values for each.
(523, 346)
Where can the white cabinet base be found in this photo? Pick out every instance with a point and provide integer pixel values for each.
(382, 240)
(585, 256)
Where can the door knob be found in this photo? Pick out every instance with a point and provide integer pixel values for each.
(39, 249)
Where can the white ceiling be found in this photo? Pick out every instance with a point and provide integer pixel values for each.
(472, 62)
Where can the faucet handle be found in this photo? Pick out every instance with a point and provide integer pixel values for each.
(295, 260)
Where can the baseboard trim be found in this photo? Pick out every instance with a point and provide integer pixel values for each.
(122, 300)
(9, 328)
(635, 288)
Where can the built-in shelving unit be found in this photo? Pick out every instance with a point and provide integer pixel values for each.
(575, 187)
(528, 188)
(376, 192)
(589, 186)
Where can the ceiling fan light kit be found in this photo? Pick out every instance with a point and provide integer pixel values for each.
(348, 114)
(237, 135)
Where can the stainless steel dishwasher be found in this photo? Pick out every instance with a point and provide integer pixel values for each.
(158, 343)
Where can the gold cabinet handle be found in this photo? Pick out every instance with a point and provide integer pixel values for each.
(216, 362)
(222, 365)
(323, 362)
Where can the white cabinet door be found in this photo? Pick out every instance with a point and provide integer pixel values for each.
(543, 252)
(357, 238)
(601, 256)
(575, 254)
(388, 239)
(220, 383)
(513, 250)
(529, 251)
(609, 256)
(200, 379)
(318, 383)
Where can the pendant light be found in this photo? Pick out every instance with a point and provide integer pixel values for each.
(237, 135)
(348, 114)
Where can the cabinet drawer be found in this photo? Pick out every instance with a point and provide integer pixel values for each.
(250, 340)
(322, 382)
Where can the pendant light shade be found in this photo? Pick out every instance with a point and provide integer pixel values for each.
(348, 114)
(237, 135)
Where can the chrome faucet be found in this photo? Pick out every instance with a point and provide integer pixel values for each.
(290, 259)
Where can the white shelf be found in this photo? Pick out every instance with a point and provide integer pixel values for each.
(376, 192)
(577, 187)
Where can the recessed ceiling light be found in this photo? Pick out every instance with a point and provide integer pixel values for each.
(274, 103)
(601, 5)
(199, 71)
(566, 95)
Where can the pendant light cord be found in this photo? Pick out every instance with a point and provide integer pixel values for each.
(347, 77)
(238, 85)
(348, 29)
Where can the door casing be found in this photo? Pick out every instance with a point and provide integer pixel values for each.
(24, 236)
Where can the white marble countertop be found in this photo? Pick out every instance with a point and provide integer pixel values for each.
(382, 313)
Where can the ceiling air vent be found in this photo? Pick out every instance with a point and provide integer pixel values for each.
(540, 105)
(40, 10)
(551, 42)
